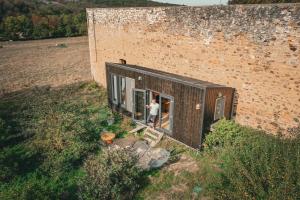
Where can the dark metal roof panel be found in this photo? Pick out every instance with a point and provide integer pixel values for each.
(167, 75)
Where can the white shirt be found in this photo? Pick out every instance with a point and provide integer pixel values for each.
(154, 107)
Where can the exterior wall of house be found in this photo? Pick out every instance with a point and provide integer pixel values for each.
(186, 97)
(253, 48)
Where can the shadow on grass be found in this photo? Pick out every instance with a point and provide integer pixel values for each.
(46, 133)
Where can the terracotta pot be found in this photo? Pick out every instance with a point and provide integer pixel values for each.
(108, 137)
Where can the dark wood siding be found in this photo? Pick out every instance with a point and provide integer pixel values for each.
(210, 101)
(189, 120)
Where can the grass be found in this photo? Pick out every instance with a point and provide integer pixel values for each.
(175, 183)
(46, 133)
(251, 164)
(237, 163)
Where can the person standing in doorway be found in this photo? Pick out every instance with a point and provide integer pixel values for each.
(153, 107)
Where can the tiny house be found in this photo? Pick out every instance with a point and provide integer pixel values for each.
(187, 106)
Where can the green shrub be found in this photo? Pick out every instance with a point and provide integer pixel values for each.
(111, 175)
(254, 165)
(224, 132)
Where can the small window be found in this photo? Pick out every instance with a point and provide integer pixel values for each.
(122, 82)
(114, 89)
(219, 107)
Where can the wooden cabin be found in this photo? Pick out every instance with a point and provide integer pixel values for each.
(187, 106)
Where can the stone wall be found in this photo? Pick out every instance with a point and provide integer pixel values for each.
(254, 48)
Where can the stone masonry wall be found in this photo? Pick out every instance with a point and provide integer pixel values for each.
(254, 48)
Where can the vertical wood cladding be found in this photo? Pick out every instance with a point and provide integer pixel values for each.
(210, 101)
(185, 114)
(188, 100)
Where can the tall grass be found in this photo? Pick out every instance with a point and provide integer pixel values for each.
(253, 165)
(45, 136)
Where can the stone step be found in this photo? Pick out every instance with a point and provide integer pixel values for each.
(138, 128)
(154, 132)
(150, 141)
(152, 136)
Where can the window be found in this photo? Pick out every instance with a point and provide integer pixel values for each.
(219, 107)
(122, 82)
(139, 112)
(114, 89)
(130, 84)
(121, 91)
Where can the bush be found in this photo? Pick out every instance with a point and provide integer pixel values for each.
(254, 165)
(224, 132)
(110, 175)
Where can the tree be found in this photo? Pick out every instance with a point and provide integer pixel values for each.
(79, 21)
(19, 27)
(40, 27)
(25, 26)
(10, 27)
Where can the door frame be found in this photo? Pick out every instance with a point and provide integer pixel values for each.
(134, 90)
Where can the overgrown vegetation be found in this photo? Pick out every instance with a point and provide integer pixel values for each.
(46, 134)
(253, 165)
(36, 19)
(261, 1)
(111, 175)
(50, 149)
(237, 163)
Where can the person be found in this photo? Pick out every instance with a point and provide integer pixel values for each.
(154, 107)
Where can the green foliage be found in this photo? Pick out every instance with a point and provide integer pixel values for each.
(31, 19)
(225, 132)
(17, 27)
(46, 134)
(111, 175)
(261, 1)
(253, 165)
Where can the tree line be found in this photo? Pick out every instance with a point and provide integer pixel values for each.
(36, 19)
(37, 27)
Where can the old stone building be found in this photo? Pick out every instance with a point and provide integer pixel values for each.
(252, 48)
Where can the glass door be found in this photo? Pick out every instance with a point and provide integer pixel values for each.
(139, 105)
(166, 113)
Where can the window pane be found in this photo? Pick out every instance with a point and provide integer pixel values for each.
(165, 113)
(115, 89)
(130, 84)
(139, 107)
(123, 91)
(219, 108)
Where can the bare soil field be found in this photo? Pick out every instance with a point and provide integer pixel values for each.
(26, 64)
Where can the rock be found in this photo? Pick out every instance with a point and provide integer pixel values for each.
(159, 157)
(124, 143)
(140, 148)
(148, 158)
(154, 158)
